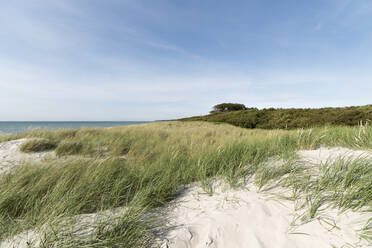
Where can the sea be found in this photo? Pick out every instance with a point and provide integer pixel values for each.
(11, 127)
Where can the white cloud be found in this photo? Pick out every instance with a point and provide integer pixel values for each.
(120, 86)
(31, 93)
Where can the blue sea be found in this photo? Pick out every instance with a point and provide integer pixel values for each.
(21, 126)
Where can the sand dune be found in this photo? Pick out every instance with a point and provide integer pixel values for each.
(246, 218)
(10, 156)
(229, 218)
(325, 154)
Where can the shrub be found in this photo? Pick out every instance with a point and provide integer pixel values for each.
(38, 145)
(287, 118)
(225, 107)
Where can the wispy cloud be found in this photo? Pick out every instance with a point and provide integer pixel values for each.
(135, 60)
(48, 96)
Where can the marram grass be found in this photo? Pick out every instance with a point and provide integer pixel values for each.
(143, 167)
(38, 145)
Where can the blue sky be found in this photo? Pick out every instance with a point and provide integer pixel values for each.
(148, 60)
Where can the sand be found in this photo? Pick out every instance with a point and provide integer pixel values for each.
(11, 156)
(228, 218)
(324, 154)
(246, 218)
(235, 218)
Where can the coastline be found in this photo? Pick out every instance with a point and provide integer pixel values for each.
(14, 127)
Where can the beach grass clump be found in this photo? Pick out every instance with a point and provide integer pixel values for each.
(7, 137)
(68, 147)
(134, 228)
(121, 148)
(359, 137)
(38, 145)
(344, 183)
(37, 133)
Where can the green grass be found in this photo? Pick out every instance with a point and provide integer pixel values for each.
(161, 158)
(67, 147)
(130, 230)
(38, 145)
(8, 137)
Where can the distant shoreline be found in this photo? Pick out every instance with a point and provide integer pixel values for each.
(11, 127)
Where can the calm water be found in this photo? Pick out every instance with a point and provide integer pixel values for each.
(21, 126)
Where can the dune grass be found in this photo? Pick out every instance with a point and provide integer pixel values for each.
(38, 145)
(7, 137)
(143, 167)
(67, 147)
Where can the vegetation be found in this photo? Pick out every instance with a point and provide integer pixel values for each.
(8, 137)
(290, 118)
(226, 107)
(67, 147)
(143, 167)
(38, 145)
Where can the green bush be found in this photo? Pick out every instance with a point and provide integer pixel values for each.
(290, 118)
(223, 107)
(38, 145)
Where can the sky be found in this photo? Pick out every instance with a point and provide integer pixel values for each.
(152, 60)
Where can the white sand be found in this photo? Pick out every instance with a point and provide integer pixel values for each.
(10, 156)
(230, 217)
(324, 154)
(240, 218)
(233, 218)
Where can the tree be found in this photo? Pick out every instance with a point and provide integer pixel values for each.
(226, 107)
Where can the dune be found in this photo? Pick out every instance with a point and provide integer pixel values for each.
(228, 218)
(326, 154)
(247, 218)
(11, 156)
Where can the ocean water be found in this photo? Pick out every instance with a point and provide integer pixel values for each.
(21, 126)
